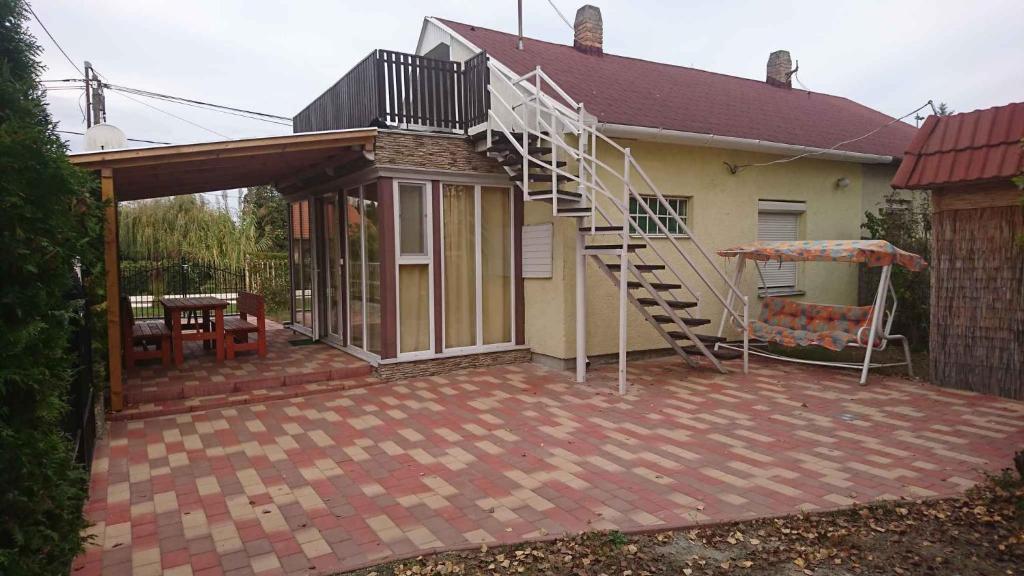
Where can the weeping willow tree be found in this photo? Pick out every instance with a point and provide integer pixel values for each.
(185, 227)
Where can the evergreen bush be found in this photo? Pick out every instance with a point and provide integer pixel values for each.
(48, 217)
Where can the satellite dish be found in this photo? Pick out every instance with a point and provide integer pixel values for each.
(104, 137)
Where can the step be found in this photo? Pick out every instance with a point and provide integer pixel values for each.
(601, 229)
(538, 177)
(640, 267)
(481, 136)
(575, 211)
(504, 148)
(563, 194)
(705, 338)
(656, 285)
(631, 247)
(721, 353)
(517, 161)
(673, 304)
(692, 322)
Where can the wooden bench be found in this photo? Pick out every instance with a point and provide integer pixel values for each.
(143, 334)
(237, 330)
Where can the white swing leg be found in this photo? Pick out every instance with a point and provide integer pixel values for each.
(876, 319)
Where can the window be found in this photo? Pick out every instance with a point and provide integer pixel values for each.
(414, 269)
(778, 221)
(648, 225)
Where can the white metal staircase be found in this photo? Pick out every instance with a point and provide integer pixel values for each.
(548, 144)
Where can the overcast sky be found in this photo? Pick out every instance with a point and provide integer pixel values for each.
(275, 57)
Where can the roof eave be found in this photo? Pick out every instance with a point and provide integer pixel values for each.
(734, 143)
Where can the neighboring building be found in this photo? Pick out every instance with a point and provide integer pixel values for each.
(434, 281)
(977, 304)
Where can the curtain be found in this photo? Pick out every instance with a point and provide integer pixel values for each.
(458, 206)
(496, 264)
(414, 307)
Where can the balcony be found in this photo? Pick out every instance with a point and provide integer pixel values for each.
(405, 91)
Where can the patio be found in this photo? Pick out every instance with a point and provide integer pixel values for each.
(292, 361)
(343, 479)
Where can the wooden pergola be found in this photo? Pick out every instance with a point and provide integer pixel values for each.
(156, 172)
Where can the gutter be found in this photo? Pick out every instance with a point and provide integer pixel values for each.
(733, 143)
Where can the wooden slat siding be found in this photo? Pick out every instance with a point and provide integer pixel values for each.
(350, 103)
(401, 88)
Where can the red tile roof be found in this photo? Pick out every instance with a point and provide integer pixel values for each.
(975, 147)
(622, 90)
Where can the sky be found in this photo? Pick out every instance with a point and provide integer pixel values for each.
(275, 57)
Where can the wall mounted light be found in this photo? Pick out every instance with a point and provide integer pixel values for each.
(842, 182)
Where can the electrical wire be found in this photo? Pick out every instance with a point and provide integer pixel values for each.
(59, 47)
(162, 111)
(560, 15)
(180, 100)
(129, 139)
(737, 168)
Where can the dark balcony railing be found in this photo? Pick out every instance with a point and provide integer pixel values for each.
(400, 89)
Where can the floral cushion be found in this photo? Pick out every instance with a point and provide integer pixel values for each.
(793, 323)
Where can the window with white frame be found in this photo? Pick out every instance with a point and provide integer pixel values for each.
(778, 221)
(648, 224)
(415, 317)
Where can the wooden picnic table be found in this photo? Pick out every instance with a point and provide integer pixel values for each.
(204, 331)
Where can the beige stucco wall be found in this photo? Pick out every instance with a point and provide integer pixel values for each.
(722, 212)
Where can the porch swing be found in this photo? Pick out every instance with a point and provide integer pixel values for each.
(833, 327)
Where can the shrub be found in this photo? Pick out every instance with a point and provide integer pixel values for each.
(48, 218)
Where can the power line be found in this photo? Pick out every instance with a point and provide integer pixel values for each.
(59, 47)
(560, 15)
(737, 168)
(130, 139)
(181, 100)
(161, 110)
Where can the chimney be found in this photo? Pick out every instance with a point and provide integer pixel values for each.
(780, 69)
(588, 34)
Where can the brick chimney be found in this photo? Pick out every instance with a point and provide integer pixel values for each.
(780, 69)
(589, 31)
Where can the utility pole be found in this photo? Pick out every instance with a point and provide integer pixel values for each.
(519, 40)
(95, 102)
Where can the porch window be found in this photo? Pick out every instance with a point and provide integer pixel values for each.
(302, 258)
(478, 261)
(648, 225)
(363, 266)
(414, 268)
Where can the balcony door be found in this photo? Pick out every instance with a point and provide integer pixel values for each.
(362, 268)
(332, 269)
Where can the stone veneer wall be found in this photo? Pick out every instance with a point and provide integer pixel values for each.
(435, 366)
(401, 148)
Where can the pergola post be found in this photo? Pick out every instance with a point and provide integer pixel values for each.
(112, 266)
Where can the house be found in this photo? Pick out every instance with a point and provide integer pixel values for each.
(977, 301)
(627, 166)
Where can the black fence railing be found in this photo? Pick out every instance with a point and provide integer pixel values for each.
(80, 419)
(145, 283)
(395, 88)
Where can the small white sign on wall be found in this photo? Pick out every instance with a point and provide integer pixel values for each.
(537, 250)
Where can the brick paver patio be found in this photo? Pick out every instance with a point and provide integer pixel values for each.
(342, 479)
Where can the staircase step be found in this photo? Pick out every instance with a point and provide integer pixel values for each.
(721, 353)
(693, 322)
(630, 247)
(566, 194)
(702, 337)
(517, 161)
(673, 304)
(505, 148)
(640, 267)
(538, 177)
(601, 229)
(655, 285)
(576, 211)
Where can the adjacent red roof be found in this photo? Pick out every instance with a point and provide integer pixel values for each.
(975, 147)
(621, 90)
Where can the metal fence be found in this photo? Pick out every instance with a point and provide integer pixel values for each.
(80, 420)
(145, 283)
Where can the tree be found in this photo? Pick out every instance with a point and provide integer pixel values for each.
(49, 217)
(944, 110)
(266, 211)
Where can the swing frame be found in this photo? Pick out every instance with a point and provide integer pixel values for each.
(879, 330)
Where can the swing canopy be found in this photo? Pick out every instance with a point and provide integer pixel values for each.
(870, 252)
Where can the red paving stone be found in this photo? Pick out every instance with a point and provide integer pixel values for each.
(341, 479)
(150, 385)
